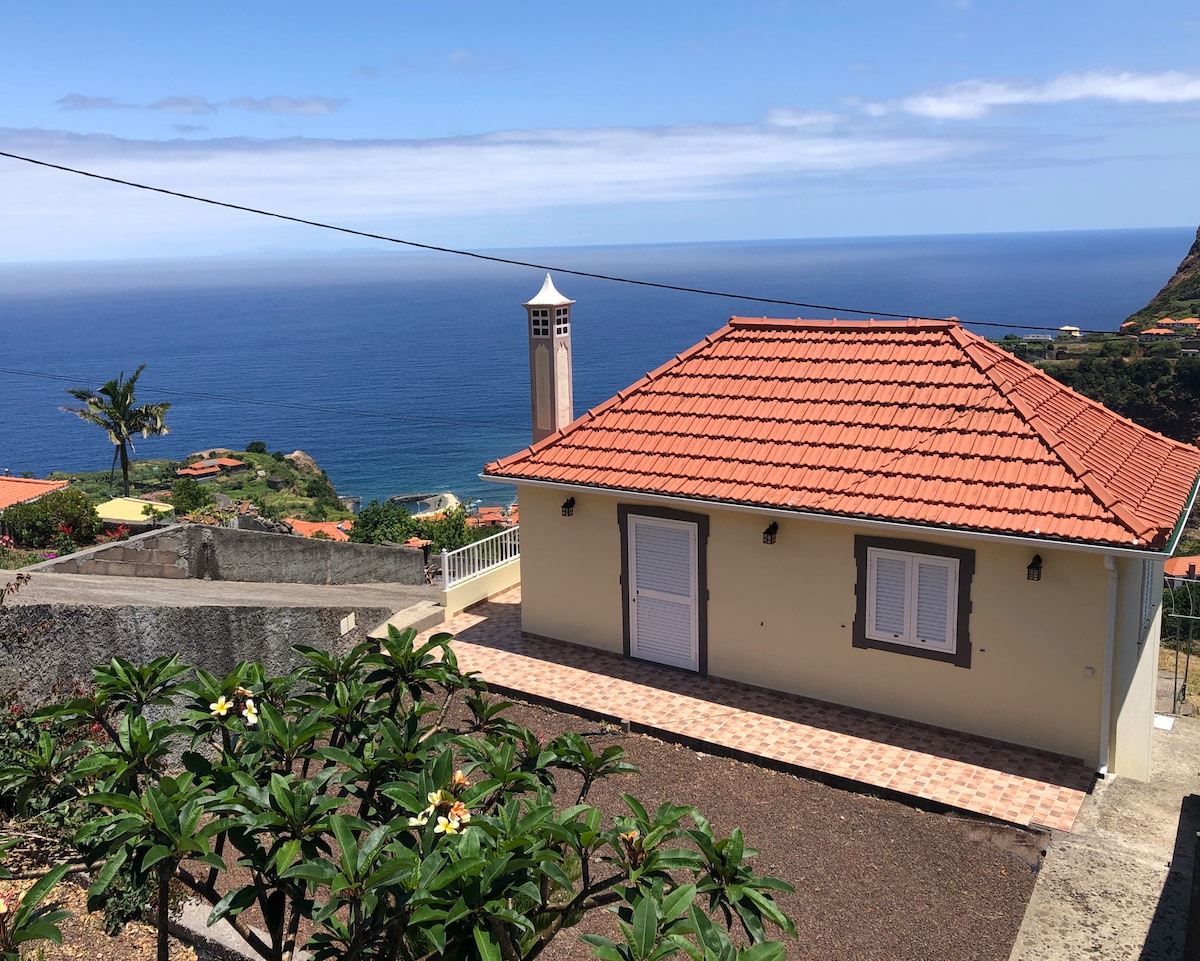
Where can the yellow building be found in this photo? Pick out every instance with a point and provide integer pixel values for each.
(898, 517)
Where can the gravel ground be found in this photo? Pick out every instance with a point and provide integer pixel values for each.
(874, 879)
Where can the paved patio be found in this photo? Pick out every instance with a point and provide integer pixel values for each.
(1003, 781)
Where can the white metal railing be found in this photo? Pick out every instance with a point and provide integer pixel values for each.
(481, 556)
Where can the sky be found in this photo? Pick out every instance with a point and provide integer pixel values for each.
(502, 125)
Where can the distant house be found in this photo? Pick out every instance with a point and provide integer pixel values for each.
(203, 470)
(334, 530)
(899, 517)
(492, 517)
(18, 490)
(132, 510)
(1180, 569)
(1152, 334)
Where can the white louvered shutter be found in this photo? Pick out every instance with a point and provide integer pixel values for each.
(663, 592)
(889, 597)
(933, 605)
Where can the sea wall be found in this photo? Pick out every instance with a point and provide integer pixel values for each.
(49, 646)
(226, 554)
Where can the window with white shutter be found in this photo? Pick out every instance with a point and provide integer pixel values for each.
(913, 598)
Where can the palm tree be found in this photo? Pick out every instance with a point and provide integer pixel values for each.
(113, 408)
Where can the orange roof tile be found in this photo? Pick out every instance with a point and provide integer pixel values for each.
(917, 422)
(334, 530)
(1178, 566)
(14, 490)
(1160, 331)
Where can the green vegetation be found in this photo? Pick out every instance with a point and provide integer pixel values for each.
(378, 522)
(114, 408)
(188, 495)
(62, 519)
(1180, 296)
(362, 813)
(1160, 393)
(281, 491)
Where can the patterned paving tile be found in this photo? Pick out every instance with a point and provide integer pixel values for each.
(1004, 781)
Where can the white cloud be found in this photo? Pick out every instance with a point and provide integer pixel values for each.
(188, 104)
(972, 99)
(79, 101)
(305, 106)
(384, 185)
(786, 117)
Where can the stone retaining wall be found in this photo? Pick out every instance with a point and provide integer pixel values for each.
(49, 646)
(226, 554)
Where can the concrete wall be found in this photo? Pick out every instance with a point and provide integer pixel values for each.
(225, 554)
(781, 616)
(49, 645)
(489, 583)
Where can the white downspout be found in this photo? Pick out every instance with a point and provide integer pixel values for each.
(1110, 643)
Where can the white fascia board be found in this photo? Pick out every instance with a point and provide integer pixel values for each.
(778, 514)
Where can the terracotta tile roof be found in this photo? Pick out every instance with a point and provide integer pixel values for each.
(916, 422)
(334, 530)
(1159, 331)
(1182, 566)
(14, 490)
(199, 470)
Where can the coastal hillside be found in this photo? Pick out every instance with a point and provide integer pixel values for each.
(1180, 297)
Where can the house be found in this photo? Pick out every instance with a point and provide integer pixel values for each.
(1180, 569)
(333, 530)
(203, 470)
(133, 510)
(1151, 334)
(898, 517)
(17, 490)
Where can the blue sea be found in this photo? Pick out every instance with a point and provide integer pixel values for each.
(402, 372)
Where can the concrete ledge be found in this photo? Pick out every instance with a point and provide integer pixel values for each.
(420, 617)
(489, 583)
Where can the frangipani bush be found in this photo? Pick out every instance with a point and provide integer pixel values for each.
(364, 818)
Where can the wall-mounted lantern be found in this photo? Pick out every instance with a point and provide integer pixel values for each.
(770, 532)
(568, 507)
(1034, 571)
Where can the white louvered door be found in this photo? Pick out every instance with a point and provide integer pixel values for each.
(663, 621)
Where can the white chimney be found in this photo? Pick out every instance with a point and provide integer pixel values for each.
(550, 398)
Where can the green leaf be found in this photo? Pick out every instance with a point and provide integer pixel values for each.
(488, 949)
(38, 931)
(645, 927)
(105, 876)
(764, 951)
(678, 901)
(36, 894)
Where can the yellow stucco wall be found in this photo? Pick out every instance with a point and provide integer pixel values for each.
(781, 616)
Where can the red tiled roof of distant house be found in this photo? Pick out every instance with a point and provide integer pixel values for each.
(1159, 331)
(225, 462)
(1189, 321)
(490, 517)
(1129, 323)
(918, 422)
(334, 530)
(15, 490)
(417, 542)
(199, 470)
(1178, 566)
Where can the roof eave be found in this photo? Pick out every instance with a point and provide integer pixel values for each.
(908, 526)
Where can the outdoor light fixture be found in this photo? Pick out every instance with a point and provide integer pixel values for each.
(568, 507)
(1034, 571)
(770, 532)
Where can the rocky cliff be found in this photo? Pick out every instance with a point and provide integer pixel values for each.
(1181, 295)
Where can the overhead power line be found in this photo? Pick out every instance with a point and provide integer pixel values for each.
(505, 260)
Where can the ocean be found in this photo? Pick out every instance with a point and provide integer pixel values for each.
(402, 372)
